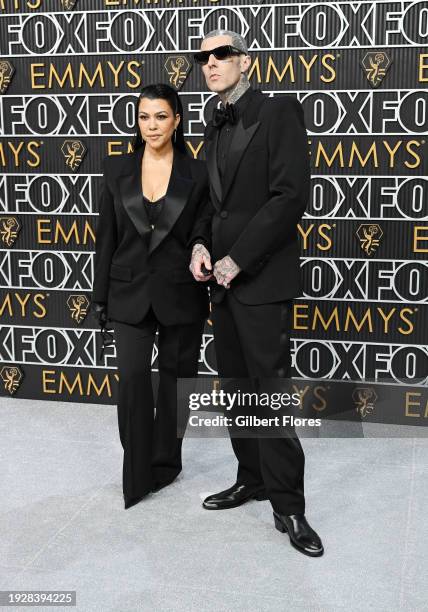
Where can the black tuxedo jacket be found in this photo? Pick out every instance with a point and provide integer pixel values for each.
(253, 212)
(136, 266)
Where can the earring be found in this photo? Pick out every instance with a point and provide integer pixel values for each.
(175, 135)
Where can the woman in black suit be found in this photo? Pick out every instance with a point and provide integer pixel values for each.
(142, 283)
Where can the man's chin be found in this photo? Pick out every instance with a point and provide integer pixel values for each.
(216, 87)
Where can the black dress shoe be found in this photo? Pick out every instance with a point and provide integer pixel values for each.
(233, 497)
(302, 536)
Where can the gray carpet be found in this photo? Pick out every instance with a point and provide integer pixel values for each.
(63, 525)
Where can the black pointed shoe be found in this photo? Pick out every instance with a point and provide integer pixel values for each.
(302, 536)
(233, 497)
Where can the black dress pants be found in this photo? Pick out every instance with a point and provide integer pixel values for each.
(152, 450)
(254, 341)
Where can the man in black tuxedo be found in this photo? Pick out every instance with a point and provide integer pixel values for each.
(258, 163)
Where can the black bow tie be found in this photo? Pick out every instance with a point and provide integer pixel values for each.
(225, 114)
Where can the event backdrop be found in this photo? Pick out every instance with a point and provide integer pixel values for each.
(69, 75)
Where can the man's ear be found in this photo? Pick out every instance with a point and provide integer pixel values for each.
(245, 63)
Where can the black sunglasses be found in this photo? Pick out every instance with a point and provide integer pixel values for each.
(220, 53)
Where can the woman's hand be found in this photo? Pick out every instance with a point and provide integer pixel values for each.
(99, 310)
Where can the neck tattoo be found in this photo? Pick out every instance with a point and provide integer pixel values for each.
(233, 94)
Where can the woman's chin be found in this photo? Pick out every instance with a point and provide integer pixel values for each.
(156, 143)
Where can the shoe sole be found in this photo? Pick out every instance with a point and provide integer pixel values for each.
(257, 497)
(283, 529)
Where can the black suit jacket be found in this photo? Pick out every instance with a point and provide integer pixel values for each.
(136, 266)
(254, 211)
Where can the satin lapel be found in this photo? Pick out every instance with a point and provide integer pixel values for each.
(179, 188)
(240, 141)
(132, 196)
(244, 132)
(211, 157)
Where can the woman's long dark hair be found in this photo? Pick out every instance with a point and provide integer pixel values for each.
(165, 92)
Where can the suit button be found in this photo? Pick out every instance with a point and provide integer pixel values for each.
(223, 214)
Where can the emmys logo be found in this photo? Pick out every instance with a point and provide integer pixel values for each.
(9, 228)
(365, 400)
(73, 151)
(78, 305)
(375, 64)
(68, 5)
(366, 233)
(6, 73)
(11, 377)
(178, 67)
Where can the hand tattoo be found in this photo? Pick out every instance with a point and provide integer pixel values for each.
(199, 249)
(225, 271)
(199, 253)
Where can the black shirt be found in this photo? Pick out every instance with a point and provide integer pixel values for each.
(226, 133)
(153, 209)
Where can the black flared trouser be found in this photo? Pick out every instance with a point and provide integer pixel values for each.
(152, 449)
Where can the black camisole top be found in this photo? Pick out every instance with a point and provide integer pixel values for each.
(153, 209)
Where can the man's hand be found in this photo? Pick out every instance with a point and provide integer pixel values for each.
(225, 271)
(200, 255)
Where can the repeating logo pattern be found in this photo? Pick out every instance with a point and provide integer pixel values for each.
(364, 236)
(78, 305)
(365, 400)
(6, 73)
(376, 64)
(9, 229)
(73, 151)
(12, 377)
(369, 235)
(178, 68)
(68, 5)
